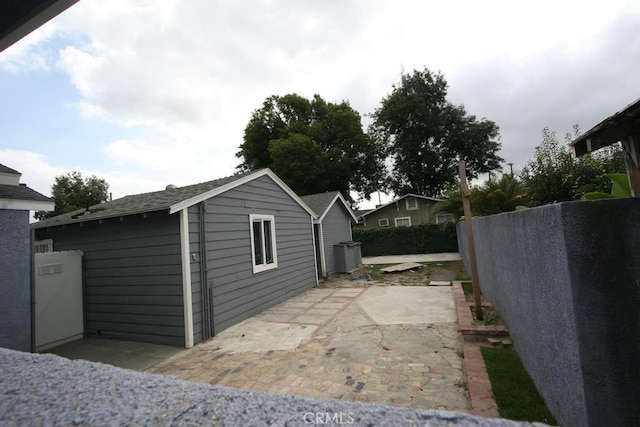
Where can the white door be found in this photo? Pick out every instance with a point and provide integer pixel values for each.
(58, 298)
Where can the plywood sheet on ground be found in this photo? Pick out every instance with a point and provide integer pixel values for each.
(401, 267)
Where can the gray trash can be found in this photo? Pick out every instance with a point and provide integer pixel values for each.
(348, 256)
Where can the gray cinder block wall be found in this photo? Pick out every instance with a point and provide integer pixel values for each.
(566, 279)
(15, 280)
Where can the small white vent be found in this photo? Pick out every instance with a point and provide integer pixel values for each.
(50, 269)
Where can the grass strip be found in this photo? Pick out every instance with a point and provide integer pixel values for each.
(514, 391)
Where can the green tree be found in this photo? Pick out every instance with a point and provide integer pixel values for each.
(494, 196)
(556, 175)
(425, 136)
(70, 192)
(314, 146)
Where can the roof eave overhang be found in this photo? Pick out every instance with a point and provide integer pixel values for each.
(22, 24)
(26, 205)
(611, 130)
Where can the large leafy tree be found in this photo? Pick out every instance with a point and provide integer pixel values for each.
(425, 135)
(313, 145)
(556, 175)
(70, 192)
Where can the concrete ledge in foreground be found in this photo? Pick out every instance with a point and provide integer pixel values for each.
(50, 390)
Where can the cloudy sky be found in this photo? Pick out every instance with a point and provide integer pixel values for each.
(146, 93)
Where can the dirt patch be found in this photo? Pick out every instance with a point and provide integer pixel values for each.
(490, 316)
(370, 275)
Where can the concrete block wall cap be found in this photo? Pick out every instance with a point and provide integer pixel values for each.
(50, 390)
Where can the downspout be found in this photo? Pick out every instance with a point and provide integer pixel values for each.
(207, 318)
(186, 278)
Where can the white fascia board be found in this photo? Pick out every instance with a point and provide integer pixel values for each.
(240, 181)
(290, 192)
(340, 197)
(7, 178)
(26, 205)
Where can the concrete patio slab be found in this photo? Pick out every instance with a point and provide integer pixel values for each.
(123, 354)
(255, 335)
(396, 305)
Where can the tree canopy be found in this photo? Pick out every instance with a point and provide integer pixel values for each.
(70, 192)
(425, 135)
(504, 194)
(556, 175)
(313, 145)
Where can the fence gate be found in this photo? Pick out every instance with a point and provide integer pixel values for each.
(58, 298)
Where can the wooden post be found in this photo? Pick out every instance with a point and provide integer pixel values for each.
(468, 220)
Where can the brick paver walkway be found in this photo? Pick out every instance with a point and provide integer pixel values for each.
(348, 357)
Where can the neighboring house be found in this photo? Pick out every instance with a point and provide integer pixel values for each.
(409, 209)
(333, 229)
(16, 200)
(180, 265)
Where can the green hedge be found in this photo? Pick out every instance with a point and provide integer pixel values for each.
(416, 239)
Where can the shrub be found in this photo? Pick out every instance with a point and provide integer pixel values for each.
(415, 239)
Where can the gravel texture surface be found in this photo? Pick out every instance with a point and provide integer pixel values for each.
(47, 390)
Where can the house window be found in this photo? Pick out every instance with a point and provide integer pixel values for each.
(412, 203)
(383, 222)
(43, 246)
(403, 222)
(442, 218)
(263, 242)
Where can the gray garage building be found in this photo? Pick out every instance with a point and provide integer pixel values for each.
(334, 219)
(180, 265)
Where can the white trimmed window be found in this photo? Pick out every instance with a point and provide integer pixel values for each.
(43, 246)
(383, 222)
(263, 242)
(442, 218)
(412, 203)
(402, 222)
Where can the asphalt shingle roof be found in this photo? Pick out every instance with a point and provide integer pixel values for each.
(137, 203)
(21, 192)
(320, 202)
(7, 169)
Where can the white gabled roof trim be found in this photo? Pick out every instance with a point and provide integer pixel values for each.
(346, 205)
(184, 204)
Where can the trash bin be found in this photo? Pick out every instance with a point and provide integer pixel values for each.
(348, 256)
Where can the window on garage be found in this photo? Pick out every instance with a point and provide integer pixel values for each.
(263, 242)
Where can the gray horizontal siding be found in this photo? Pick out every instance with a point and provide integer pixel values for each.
(237, 292)
(132, 276)
(336, 228)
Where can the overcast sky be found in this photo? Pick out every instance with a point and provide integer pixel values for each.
(150, 93)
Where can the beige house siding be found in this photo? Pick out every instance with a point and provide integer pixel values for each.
(417, 209)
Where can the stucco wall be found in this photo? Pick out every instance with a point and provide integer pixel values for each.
(15, 280)
(566, 279)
